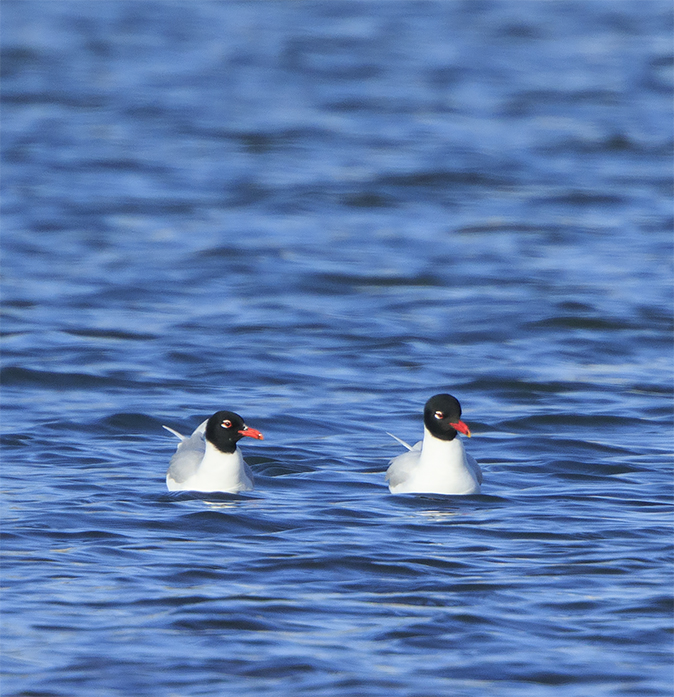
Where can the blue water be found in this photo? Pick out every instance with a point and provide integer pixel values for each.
(319, 214)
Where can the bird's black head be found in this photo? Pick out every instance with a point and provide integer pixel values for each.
(442, 417)
(225, 428)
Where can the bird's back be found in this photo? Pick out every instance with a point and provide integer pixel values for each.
(188, 456)
(402, 466)
(472, 464)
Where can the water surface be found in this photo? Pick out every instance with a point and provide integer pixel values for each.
(318, 215)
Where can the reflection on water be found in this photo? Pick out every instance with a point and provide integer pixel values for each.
(440, 516)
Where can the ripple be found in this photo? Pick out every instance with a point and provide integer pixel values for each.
(16, 376)
(319, 215)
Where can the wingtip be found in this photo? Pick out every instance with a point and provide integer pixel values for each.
(175, 433)
(402, 442)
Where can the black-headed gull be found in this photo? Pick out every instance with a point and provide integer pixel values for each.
(438, 464)
(209, 460)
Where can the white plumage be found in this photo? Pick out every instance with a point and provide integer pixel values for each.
(201, 465)
(439, 464)
(434, 466)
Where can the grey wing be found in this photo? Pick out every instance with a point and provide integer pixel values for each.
(249, 472)
(401, 466)
(188, 456)
(472, 463)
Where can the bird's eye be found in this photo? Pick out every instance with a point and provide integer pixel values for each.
(226, 423)
(439, 415)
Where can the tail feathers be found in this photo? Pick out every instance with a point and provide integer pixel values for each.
(402, 442)
(175, 433)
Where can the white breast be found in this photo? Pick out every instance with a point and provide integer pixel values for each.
(199, 466)
(438, 467)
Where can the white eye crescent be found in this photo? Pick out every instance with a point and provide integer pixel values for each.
(226, 423)
(439, 415)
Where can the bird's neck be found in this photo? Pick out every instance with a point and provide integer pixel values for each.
(435, 450)
(215, 460)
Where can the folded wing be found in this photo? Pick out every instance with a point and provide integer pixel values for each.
(401, 466)
(188, 455)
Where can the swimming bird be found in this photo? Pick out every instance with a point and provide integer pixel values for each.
(209, 460)
(438, 464)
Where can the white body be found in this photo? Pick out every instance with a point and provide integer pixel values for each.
(434, 466)
(199, 466)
